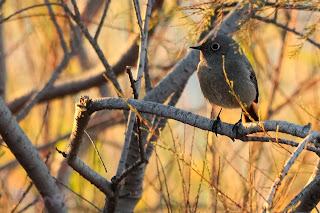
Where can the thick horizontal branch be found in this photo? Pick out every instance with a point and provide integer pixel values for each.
(200, 121)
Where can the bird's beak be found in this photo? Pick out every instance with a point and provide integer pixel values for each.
(196, 47)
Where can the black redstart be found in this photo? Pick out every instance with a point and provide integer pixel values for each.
(216, 52)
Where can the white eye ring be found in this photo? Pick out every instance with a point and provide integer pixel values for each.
(215, 46)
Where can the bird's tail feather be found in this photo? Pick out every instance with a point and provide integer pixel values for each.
(252, 112)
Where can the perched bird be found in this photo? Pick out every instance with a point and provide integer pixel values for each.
(222, 50)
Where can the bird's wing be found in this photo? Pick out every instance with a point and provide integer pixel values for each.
(254, 81)
(240, 63)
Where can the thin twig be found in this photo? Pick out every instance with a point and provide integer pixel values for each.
(55, 74)
(77, 18)
(276, 72)
(27, 191)
(125, 149)
(279, 140)
(140, 141)
(136, 96)
(132, 82)
(144, 41)
(22, 197)
(138, 14)
(204, 162)
(60, 33)
(28, 8)
(102, 19)
(30, 204)
(147, 78)
(282, 5)
(65, 155)
(63, 64)
(127, 171)
(162, 122)
(77, 194)
(97, 151)
(44, 121)
(271, 21)
(168, 199)
(288, 165)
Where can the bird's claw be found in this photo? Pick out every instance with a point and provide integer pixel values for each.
(215, 125)
(236, 127)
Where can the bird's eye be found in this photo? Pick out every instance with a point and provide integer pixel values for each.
(215, 46)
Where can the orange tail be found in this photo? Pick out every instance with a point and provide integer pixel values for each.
(252, 112)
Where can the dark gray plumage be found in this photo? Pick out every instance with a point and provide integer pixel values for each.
(238, 68)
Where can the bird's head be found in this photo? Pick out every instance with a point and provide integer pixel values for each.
(216, 46)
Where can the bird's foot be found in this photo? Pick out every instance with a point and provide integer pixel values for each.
(236, 127)
(216, 123)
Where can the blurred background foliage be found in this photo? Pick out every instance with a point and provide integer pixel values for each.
(287, 69)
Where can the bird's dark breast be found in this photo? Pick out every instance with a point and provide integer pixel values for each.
(216, 90)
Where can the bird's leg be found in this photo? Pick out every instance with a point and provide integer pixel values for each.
(215, 123)
(237, 125)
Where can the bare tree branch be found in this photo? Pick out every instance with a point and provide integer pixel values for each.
(138, 14)
(173, 82)
(142, 62)
(126, 188)
(55, 74)
(279, 140)
(54, 21)
(22, 148)
(161, 122)
(202, 122)
(27, 8)
(308, 198)
(77, 18)
(272, 21)
(85, 81)
(283, 5)
(268, 205)
(82, 116)
(63, 64)
(106, 7)
(82, 82)
(3, 68)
